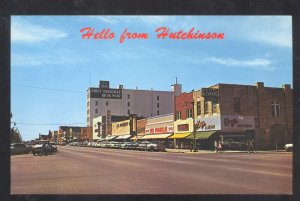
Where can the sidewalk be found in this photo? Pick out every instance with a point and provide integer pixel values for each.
(187, 151)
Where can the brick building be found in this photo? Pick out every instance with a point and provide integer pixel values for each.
(237, 109)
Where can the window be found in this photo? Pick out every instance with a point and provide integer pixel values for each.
(128, 96)
(96, 110)
(157, 105)
(157, 112)
(189, 113)
(206, 107)
(178, 115)
(96, 103)
(88, 103)
(128, 104)
(275, 108)
(106, 103)
(157, 97)
(198, 108)
(236, 105)
(88, 112)
(128, 111)
(88, 119)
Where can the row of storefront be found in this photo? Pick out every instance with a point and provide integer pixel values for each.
(180, 134)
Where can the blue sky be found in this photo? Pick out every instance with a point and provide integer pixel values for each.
(52, 66)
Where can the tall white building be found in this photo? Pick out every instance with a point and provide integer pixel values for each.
(122, 102)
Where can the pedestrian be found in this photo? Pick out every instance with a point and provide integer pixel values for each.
(219, 145)
(216, 146)
(191, 146)
(250, 146)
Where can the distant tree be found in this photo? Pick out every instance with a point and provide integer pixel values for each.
(15, 136)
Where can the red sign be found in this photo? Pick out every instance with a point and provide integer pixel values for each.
(165, 129)
(183, 127)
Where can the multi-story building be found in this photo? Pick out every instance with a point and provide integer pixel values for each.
(123, 102)
(237, 112)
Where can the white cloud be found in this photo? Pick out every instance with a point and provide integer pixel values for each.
(23, 31)
(61, 57)
(263, 64)
(272, 30)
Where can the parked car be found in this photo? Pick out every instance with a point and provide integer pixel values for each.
(43, 147)
(19, 148)
(288, 147)
(127, 145)
(149, 146)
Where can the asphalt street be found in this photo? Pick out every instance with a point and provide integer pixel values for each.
(86, 170)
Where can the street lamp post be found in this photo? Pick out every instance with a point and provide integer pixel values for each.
(194, 127)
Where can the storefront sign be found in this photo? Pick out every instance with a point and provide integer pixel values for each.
(106, 93)
(141, 126)
(237, 123)
(121, 128)
(165, 129)
(210, 92)
(208, 123)
(183, 127)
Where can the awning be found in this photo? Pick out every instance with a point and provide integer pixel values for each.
(179, 135)
(123, 137)
(137, 137)
(202, 135)
(156, 136)
(110, 137)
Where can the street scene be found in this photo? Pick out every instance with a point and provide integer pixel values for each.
(151, 105)
(86, 170)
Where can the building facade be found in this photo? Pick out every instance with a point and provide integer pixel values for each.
(266, 113)
(123, 102)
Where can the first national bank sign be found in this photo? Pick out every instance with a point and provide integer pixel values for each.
(105, 92)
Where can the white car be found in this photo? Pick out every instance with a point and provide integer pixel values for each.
(288, 147)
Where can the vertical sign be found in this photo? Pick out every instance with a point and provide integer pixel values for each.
(108, 122)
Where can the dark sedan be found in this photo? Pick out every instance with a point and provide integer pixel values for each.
(19, 148)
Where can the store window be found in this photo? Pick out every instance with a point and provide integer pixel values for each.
(236, 105)
(157, 113)
(189, 113)
(275, 108)
(128, 111)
